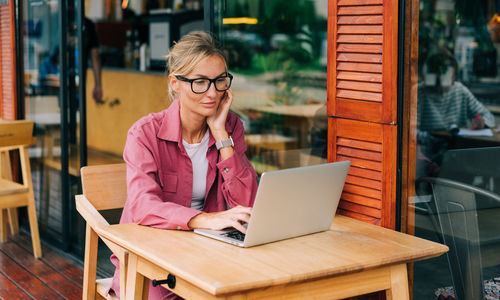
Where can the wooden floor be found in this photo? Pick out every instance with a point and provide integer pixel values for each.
(24, 277)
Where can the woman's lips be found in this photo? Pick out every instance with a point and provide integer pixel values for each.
(209, 104)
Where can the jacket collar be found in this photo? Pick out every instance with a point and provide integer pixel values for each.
(170, 129)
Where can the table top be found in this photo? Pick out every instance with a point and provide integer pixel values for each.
(221, 268)
(308, 111)
(94, 157)
(268, 139)
(46, 119)
(482, 141)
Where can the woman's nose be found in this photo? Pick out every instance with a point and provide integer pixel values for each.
(212, 92)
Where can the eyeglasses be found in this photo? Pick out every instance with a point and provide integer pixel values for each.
(201, 85)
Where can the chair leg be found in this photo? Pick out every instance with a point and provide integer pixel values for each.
(26, 171)
(90, 263)
(35, 236)
(3, 226)
(6, 173)
(13, 221)
(123, 276)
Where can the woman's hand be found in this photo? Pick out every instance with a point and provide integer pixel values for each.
(217, 122)
(234, 217)
(478, 122)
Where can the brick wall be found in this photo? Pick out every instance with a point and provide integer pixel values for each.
(7, 61)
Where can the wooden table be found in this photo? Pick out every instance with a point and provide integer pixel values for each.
(298, 116)
(464, 141)
(269, 148)
(94, 157)
(350, 259)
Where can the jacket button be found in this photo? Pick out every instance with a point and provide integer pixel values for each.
(226, 170)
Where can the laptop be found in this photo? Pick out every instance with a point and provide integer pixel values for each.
(290, 203)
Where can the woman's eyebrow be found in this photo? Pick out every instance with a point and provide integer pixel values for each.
(205, 76)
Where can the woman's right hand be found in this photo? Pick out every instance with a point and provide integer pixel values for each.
(234, 217)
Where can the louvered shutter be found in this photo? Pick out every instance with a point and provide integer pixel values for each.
(7, 61)
(362, 107)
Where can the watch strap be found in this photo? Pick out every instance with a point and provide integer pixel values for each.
(224, 143)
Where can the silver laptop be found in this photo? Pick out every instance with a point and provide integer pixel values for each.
(290, 203)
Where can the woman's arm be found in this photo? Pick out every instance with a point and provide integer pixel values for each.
(239, 178)
(239, 187)
(475, 108)
(239, 184)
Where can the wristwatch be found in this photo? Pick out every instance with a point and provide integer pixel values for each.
(224, 143)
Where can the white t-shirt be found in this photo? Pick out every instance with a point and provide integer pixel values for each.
(198, 154)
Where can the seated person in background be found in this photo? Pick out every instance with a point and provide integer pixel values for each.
(444, 104)
(186, 165)
(48, 72)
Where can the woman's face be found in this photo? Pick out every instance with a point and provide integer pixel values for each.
(204, 104)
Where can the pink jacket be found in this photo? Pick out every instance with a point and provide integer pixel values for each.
(160, 177)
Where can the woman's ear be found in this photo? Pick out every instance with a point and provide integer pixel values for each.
(174, 83)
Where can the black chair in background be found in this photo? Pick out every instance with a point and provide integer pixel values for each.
(453, 210)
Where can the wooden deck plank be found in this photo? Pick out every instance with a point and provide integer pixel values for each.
(8, 290)
(54, 276)
(43, 271)
(67, 269)
(25, 279)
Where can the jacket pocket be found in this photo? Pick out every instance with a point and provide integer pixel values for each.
(168, 182)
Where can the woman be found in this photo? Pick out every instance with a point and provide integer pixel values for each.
(187, 164)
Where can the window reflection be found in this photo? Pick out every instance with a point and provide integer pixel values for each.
(458, 149)
(277, 53)
(42, 105)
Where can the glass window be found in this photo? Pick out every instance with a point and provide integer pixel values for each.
(458, 148)
(42, 105)
(277, 53)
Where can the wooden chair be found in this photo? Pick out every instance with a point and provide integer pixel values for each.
(104, 187)
(17, 136)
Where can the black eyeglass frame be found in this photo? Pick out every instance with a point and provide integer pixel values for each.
(182, 78)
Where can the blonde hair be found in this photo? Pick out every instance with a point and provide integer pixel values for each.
(188, 52)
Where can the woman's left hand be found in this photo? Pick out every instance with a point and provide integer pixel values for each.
(478, 122)
(217, 121)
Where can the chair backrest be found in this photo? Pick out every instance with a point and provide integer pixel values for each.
(16, 133)
(105, 186)
(465, 165)
(455, 205)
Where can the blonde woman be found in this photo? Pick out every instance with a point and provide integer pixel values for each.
(186, 165)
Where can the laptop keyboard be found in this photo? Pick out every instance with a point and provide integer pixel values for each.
(235, 235)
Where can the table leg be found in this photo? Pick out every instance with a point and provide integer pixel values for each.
(135, 280)
(145, 288)
(3, 225)
(399, 283)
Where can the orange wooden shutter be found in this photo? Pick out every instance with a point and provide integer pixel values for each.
(7, 61)
(362, 104)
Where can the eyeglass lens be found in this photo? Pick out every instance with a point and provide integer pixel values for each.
(202, 85)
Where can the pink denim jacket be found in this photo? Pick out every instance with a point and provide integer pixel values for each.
(160, 177)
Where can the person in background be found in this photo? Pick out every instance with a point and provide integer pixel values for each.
(91, 50)
(48, 73)
(186, 165)
(444, 104)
